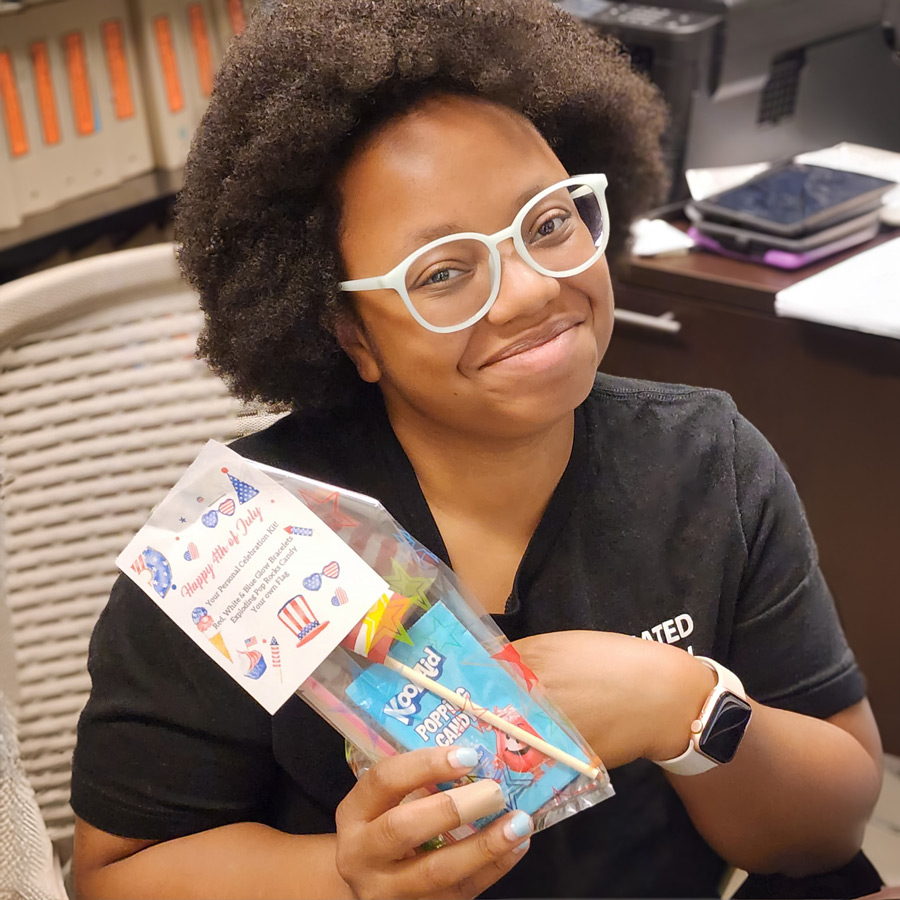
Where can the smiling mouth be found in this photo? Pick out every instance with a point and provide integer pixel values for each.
(537, 339)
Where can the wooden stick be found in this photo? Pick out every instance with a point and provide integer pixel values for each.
(514, 731)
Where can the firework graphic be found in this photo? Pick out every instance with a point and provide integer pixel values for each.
(276, 656)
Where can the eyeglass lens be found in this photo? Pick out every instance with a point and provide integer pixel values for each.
(451, 283)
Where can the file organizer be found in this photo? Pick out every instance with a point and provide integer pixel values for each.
(118, 145)
(11, 127)
(194, 19)
(37, 165)
(81, 120)
(164, 54)
(229, 19)
(10, 216)
(119, 95)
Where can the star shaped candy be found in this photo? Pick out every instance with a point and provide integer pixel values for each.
(412, 586)
(383, 625)
(390, 620)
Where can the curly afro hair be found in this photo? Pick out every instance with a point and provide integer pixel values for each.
(257, 221)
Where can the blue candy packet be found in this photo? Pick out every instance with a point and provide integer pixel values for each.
(443, 650)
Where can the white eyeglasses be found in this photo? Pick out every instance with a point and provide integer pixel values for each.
(452, 282)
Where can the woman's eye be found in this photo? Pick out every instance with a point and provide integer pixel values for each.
(442, 276)
(551, 226)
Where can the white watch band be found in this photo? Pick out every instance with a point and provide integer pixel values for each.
(693, 761)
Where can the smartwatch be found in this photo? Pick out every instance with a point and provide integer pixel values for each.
(716, 733)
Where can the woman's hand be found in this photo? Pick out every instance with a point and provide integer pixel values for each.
(377, 834)
(628, 697)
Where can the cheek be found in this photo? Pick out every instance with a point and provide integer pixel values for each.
(603, 308)
(412, 357)
(596, 286)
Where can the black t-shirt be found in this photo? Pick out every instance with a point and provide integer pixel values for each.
(674, 520)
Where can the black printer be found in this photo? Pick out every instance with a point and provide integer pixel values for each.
(753, 80)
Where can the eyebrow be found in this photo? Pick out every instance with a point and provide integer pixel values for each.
(426, 235)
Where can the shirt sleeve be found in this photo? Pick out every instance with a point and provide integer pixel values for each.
(168, 744)
(787, 644)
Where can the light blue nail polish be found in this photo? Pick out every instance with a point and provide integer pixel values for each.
(464, 757)
(520, 824)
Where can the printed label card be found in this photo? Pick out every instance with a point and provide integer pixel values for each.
(250, 574)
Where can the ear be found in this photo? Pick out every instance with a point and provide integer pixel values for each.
(355, 342)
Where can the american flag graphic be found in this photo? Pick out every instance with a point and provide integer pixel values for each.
(139, 565)
(250, 641)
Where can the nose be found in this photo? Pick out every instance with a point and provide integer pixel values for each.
(523, 290)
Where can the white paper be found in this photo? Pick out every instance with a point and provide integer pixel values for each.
(856, 158)
(655, 237)
(861, 293)
(250, 574)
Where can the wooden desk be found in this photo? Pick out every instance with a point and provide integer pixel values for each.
(829, 401)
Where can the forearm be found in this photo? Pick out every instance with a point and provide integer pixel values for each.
(244, 860)
(795, 799)
(796, 796)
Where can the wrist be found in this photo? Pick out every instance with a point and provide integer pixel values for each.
(682, 684)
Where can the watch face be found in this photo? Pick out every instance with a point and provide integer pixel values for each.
(725, 727)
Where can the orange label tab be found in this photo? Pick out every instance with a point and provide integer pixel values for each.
(117, 66)
(79, 83)
(46, 97)
(201, 47)
(236, 16)
(165, 46)
(12, 107)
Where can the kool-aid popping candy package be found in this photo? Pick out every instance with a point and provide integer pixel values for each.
(294, 586)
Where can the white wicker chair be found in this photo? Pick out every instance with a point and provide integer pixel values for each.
(102, 406)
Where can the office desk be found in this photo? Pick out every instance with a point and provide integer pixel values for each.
(829, 401)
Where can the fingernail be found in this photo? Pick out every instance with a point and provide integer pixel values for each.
(519, 826)
(522, 847)
(476, 800)
(463, 757)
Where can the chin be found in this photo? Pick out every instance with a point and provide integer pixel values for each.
(544, 406)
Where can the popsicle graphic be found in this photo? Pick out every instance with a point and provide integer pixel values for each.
(204, 622)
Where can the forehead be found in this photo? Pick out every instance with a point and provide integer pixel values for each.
(457, 161)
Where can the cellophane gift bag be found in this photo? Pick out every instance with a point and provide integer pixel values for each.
(295, 586)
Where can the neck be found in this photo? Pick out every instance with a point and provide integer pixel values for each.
(505, 482)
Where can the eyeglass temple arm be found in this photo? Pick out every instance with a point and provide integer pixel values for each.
(365, 284)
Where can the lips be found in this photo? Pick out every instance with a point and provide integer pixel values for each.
(531, 339)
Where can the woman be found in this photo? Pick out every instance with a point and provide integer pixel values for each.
(349, 141)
